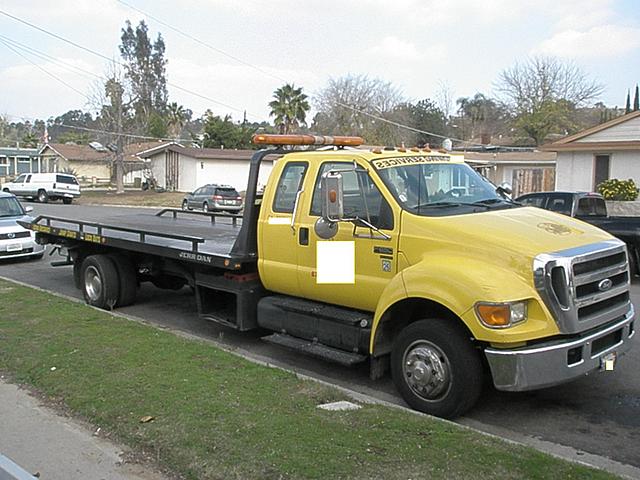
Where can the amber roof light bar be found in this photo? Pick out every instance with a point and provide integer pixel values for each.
(273, 139)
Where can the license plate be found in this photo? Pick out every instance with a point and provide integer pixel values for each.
(14, 247)
(608, 361)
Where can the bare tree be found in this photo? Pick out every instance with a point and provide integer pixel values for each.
(542, 91)
(354, 104)
(444, 98)
(527, 85)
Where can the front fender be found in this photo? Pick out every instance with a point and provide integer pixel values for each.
(458, 283)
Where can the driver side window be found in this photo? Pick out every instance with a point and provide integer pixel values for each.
(362, 198)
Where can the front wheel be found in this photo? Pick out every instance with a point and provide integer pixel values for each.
(185, 205)
(436, 369)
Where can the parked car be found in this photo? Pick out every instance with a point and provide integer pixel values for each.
(213, 198)
(45, 187)
(591, 208)
(16, 241)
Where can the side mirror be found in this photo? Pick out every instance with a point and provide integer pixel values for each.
(331, 192)
(506, 188)
(28, 209)
(332, 196)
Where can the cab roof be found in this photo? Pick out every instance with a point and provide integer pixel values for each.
(378, 157)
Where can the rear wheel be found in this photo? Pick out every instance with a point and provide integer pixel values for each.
(43, 196)
(128, 280)
(205, 207)
(436, 369)
(67, 201)
(100, 284)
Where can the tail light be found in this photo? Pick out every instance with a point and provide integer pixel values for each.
(238, 198)
(217, 197)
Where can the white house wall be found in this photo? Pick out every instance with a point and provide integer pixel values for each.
(188, 176)
(623, 132)
(230, 172)
(574, 170)
(158, 168)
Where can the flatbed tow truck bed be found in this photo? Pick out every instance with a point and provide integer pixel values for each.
(198, 237)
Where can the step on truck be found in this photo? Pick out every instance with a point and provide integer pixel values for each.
(406, 259)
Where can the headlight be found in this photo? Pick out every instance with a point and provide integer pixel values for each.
(501, 315)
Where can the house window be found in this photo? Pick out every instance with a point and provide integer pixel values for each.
(601, 170)
(4, 166)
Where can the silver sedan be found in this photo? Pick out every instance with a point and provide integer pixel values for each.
(16, 241)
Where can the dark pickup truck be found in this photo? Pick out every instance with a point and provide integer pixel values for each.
(591, 208)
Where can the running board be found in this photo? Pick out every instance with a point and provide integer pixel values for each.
(316, 349)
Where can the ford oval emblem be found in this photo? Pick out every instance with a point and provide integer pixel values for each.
(605, 284)
(11, 235)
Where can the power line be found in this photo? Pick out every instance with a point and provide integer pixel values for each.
(44, 70)
(202, 42)
(37, 53)
(255, 67)
(93, 52)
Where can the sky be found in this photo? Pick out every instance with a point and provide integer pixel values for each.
(423, 47)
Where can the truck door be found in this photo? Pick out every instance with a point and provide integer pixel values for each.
(375, 256)
(28, 188)
(278, 232)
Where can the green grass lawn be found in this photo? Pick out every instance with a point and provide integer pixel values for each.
(218, 416)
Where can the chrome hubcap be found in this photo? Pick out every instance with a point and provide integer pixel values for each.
(92, 283)
(426, 370)
(184, 205)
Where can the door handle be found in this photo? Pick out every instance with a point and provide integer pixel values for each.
(303, 236)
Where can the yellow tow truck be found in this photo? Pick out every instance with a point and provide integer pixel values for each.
(404, 258)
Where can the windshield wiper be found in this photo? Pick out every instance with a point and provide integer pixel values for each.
(447, 204)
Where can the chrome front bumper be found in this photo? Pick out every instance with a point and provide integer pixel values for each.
(559, 361)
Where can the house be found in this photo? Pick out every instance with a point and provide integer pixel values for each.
(176, 167)
(608, 150)
(525, 171)
(93, 163)
(14, 161)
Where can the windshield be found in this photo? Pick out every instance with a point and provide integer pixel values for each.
(10, 207)
(435, 189)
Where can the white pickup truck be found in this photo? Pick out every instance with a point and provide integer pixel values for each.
(45, 187)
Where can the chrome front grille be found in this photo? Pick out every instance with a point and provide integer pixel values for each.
(586, 286)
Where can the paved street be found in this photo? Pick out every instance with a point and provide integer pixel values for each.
(599, 414)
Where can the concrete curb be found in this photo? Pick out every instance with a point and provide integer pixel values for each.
(562, 452)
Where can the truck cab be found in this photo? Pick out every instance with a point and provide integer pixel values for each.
(456, 277)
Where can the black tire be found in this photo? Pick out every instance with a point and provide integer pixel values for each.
(43, 196)
(6, 190)
(429, 346)
(100, 284)
(67, 201)
(185, 205)
(205, 207)
(128, 280)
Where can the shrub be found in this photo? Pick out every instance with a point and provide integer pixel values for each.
(615, 189)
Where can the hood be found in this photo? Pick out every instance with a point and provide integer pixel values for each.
(511, 235)
(8, 224)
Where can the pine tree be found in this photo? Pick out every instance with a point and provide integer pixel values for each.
(627, 108)
(636, 100)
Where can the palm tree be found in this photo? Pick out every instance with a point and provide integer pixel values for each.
(176, 118)
(289, 108)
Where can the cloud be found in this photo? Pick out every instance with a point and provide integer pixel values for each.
(394, 48)
(234, 85)
(595, 42)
